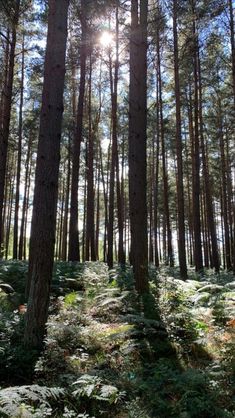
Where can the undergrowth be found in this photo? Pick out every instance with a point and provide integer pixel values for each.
(109, 353)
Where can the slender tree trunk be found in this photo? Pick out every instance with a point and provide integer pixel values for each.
(17, 195)
(150, 199)
(105, 197)
(27, 216)
(7, 100)
(24, 207)
(90, 217)
(74, 253)
(180, 186)
(196, 163)
(61, 218)
(42, 240)
(170, 257)
(84, 217)
(66, 207)
(112, 166)
(9, 215)
(137, 144)
(224, 191)
(97, 232)
(207, 178)
(4, 78)
(156, 186)
(231, 16)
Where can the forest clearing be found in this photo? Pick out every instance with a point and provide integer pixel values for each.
(117, 208)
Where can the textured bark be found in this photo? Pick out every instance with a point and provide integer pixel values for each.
(26, 187)
(90, 216)
(66, 208)
(42, 240)
(224, 191)
(180, 186)
(137, 144)
(156, 184)
(169, 256)
(150, 201)
(9, 211)
(207, 178)
(6, 115)
(196, 162)
(20, 132)
(112, 165)
(74, 253)
(115, 162)
(231, 16)
(97, 226)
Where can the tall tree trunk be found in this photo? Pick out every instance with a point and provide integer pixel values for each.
(4, 77)
(10, 205)
(231, 16)
(90, 218)
(17, 195)
(180, 185)
(7, 102)
(24, 207)
(66, 207)
(97, 231)
(224, 189)
(170, 257)
(207, 180)
(42, 240)
(137, 144)
(156, 183)
(74, 252)
(27, 216)
(196, 161)
(115, 162)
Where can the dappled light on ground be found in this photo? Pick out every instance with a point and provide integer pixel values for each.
(109, 353)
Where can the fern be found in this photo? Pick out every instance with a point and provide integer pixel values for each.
(14, 400)
(93, 388)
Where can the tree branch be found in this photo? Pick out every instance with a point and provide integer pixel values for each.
(5, 37)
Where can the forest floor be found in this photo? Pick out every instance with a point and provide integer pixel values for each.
(109, 354)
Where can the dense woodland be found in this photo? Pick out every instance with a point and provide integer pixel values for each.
(117, 208)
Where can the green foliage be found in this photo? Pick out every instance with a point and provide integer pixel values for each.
(70, 299)
(15, 274)
(93, 388)
(179, 393)
(22, 401)
(121, 277)
(16, 364)
(114, 354)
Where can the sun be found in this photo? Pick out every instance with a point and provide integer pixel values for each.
(106, 39)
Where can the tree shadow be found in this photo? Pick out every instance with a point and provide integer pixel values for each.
(170, 382)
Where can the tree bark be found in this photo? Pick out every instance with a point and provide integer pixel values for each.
(180, 185)
(6, 117)
(137, 144)
(17, 195)
(24, 207)
(74, 252)
(196, 160)
(90, 217)
(170, 256)
(42, 240)
(66, 207)
(207, 180)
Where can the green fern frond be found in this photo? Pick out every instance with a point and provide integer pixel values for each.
(13, 399)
